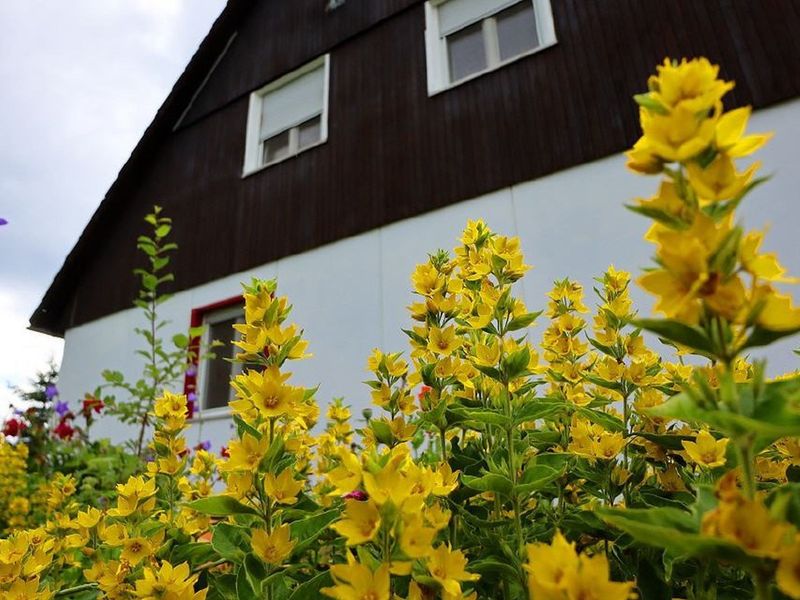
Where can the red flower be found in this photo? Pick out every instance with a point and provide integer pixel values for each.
(223, 452)
(14, 427)
(64, 430)
(90, 403)
(424, 391)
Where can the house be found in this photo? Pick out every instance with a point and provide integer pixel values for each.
(333, 143)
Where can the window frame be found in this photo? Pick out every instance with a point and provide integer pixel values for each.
(195, 383)
(438, 60)
(254, 145)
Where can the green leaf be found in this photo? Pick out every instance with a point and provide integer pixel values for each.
(482, 416)
(673, 530)
(195, 553)
(221, 506)
(650, 103)
(535, 478)
(775, 415)
(516, 363)
(230, 542)
(657, 215)
(256, 573)
(163, 231)
(680, 333)
(306, 531)
(490, 482)
(244, 590)
(522, 321)
(309, 590)
(537, 409)
(608, 421)
(243, 427)
(669, 442)
(763, 337)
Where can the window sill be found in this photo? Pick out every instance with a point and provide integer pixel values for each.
(211, 414)
(449, 86)
(248, 172)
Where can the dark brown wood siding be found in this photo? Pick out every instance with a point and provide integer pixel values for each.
(392, 151)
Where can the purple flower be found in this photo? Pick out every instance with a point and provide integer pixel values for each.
(191, 371)
(61, 408)
(205, 445)
(3, 221)
(192, 397)
(50, 392)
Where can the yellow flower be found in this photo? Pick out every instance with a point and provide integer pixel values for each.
(110, 578)
(706, 451)
(284, 488)
(416, 539)
(347, 476)
(777, 313)
(677, 136)
(426, 280)
(267, 393)
(447, 567)
(355, 581)
(88, 518)
(684, 282)
(788, 574)
(719, 180)
(730, 130)
(137, 494)
(113, 535)
(691, 85)
(591, 582)
(135, 549)
(168, 583)
(747, 523)
(437, 517)
(762, 265)
(361, 523)
(273, 548)
(170, 405)
(443, 341)
(246, 454)
(557, 572)
(26, 590)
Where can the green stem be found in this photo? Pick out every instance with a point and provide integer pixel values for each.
(744, 452)
(74, 590)
(761, 582)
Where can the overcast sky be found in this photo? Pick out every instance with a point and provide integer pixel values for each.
(81, 80)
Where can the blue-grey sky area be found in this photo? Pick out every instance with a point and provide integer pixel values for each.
(80, 81)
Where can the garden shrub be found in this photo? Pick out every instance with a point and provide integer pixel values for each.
(586, 466)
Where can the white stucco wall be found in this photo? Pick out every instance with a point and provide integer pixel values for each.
(350, 296)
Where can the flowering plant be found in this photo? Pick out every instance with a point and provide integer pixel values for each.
(585, 466)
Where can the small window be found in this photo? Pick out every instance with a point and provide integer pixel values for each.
(465, 38)
(216, 373)
(287, 116)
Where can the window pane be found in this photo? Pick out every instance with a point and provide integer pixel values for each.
(516, 30)
(310, 132)
(217, 390)
(466, 52)
(276, 147)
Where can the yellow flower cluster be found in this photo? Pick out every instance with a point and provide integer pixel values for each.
(556, 571)
(703, 257)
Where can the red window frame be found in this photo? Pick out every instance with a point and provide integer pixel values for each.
(196, 320)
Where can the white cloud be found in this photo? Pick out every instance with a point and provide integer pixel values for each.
(81, 82)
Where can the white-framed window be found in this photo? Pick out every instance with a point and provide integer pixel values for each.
(465, 38)
(288, 115)
(214, 374)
